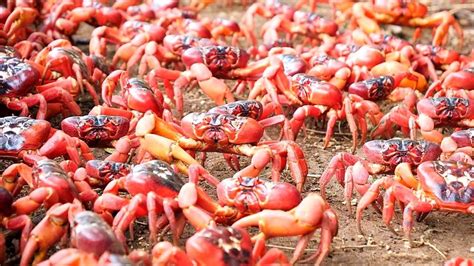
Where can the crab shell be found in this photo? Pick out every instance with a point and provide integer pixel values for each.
(219, 129)
(389, 43)
(48, 173)
(220, 246)
(315, 24)
(464, 138)
(446, 109)
(8, 51)
(324, 67)
(292, 64)
(22, 133)
(244, 108)
(463, 79)
(310, 90)
(106, 171)
(177, 44)
(219, 59)
(65, 58)
(251, 195)
(365, 56)
(141, 97)
(156, 176)
(373, 89)
(94, 128)
(451, 184)
(197, 28)
(437, 54)
(16, 77)
(395, 151)
(92, 234)
(132, 28)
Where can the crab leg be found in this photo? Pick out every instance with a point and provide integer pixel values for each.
(313, 212)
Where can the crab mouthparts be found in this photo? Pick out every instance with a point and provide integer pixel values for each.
(214, 135)
(455, 192)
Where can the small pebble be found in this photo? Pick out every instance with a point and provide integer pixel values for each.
(471, 250)
(387, 247)
(353, 202)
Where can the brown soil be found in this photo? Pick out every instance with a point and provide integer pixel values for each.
(445, 235)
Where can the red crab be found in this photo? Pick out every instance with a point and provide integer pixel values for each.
(382, 156)
(433, 112)
(18, 79)
(393, 88)
(220, 133)
(310, 25)
(217, 245)
(316, 98)
(96, 129)
(238, 197)
(89, 235)
(368, 15)
(50, 183)
(66, 17)
(439, 186)
(64, 60)
(135, 93)
(207, 65)
(152, 55)
(268, 9)
(128, 39)
(73, 256)
(93, 242)
(330, 69)
(252, 110)
(454, 82)
(30, 47)
(436, 57)
(48, 231)
(153, 186)
(312, 213)
(15, 26)
(23, 138)
(459, 141)
(99, 173)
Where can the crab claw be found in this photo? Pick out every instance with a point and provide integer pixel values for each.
(278, 152)
(48, 232)
(313, 212)
(19, 18)
(168, 151)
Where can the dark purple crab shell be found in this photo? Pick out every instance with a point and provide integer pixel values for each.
(156, 176)
(464, 138)
(373, 89)
(397, 150)
(90, 233)
(293, 64)
(17, 77)
(245, 108)
(451, 182)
